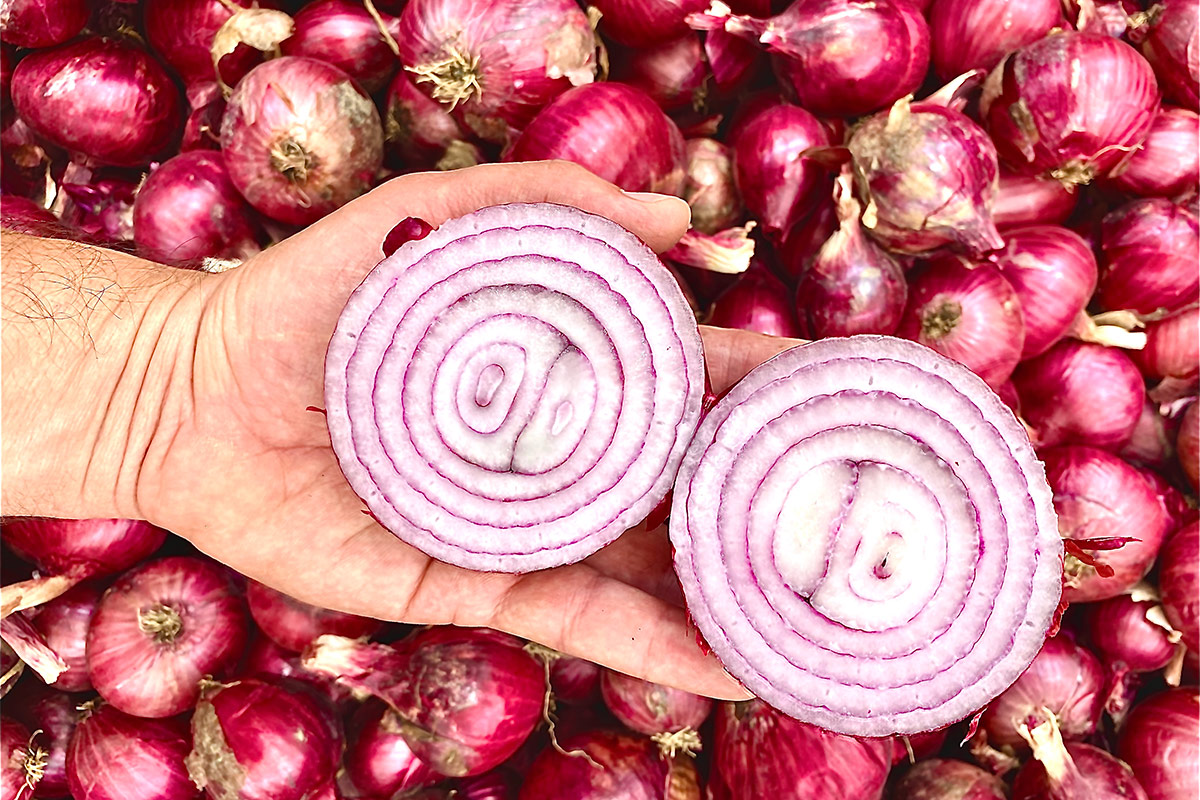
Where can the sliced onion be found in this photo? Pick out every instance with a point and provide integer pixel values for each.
(710, 190)
(1171, 45)
(533, 471)
(1159, 742)
(1149, 257)
(863, 431)
(1168, 165)
(1085, 772)
(1179, 583)
(64, 622)
(378, 761)
(343, 33)
(948, 779)
(42, 23)
(114, 755)
(630, 767)
(294, 625)
(1028, 200)
(967, 36)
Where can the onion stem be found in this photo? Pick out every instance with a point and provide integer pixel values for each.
(455, 78)
(162, 622)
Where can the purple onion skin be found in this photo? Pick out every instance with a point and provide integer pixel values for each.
(1040, 128)
(1187, 444)
(54, 714)
(1171, 47)
(1096, 775)
(1161, 742)
(182, 31)
(927, 177)
(1149, 257)
(672, 74)
(15, 777)
(1099, 496)
(757, 302)
(294, 625)
(1123, 637)
(378, 761)
(82, 546)
(202, 129)
(1028, 200)
(805, 761)
(638, 23)
(615, 131)
(1080, 393)
(63, 623)
(342, 33)
(102, 207)
(1179, 583)
(1065, 679)
(268, 661)
(113, 754)
(803, 242)
(1153, 441)
(25, 216)
(630, 769)
(1172, 347)
(575, 681)
(967, 36)
(650, 708)
(1054, 274)
(121, 109)
(948, 779)
(417, 129)
(777, 185)
(300, 139)
(1168, 165)
(710, 188)
(8, 60)
(42, 23)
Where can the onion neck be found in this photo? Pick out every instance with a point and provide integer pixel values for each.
(33, 765)
(940, 319)
(161, 622)
(289, 158)
(455, 77)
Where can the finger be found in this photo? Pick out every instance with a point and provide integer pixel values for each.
(730, 354)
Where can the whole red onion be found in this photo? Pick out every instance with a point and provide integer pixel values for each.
(1187, 445)
(344, 34)
(103, 98)
(1100, 499)
(419, 132)
(55, 716)
(1168, 165)
(757, 302)
(1064, 681)
(804, 240)
(970, 313)
(630, 768)
(63, 623)
(1083, 773)
(948, 779)
(161, 628)
(25, 216)
(300, 139)
(778, 183)
(260, 741)
(914, 201)
(21, 760)
(1054, 274)
(11, 668)
(1161, 742)
(1149, 257)
(496, 64)
(1172, 347)
(1153, 441)
(183, 32)
(967, 36)
(202, 129)
(42, 23)
(1080, 393)
(113, 756)
(917, 746)
(378, 761)
(269, 661)
(1123, 634)
(1049, 106)
(805, 761)
(735, 63)
(651, 708)
(1029, 200)
(294, 625)
(709, 186)
(639, 23)
(1172, 46)
(672, 74)
(1179, 583)
(29, 166)
(840, 57)
(614, 130)
(575, 681)
(7, 62)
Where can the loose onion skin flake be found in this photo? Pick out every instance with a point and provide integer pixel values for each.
(865, 538)
(514, 390)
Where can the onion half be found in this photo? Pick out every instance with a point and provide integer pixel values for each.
(545, 376)
(865, 537)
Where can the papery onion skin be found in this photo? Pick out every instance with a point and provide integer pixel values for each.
(182, 32)
(84, 547)
(106, 99)
(294, 625)
(948, 779)
(18, 764)
(1160, 741)
(300, 139)
(1123, 636)
(968, 312)
(42, 23)
(1041, 126)
(1172, 46)
(1179, 583)
(804, 240)
(1093, 774)
(967, 36)
(270, 662)
(575, 681)
(113, 754)
(25, 216)
(1168, 165)
(827, 402)
(1080, 393)
(1054, 273)
(804, 760)
(779, 185)
(202, 129)
(1187, 444)
(159, 629)
(1149, 257)
(258, 741)
(927, 176)
(378, 761)
(710, 188)
(672, 74)
(54, 714)
(420, 132)
(757, 302)
(630, 768)
(1028, 200)
(614, 130)
(188, 209)
(1172, 347)
(496, 64)
(651, 708)
(1153, 441)
(102, 207)
(639, 23)
(1099, 496)
(342, 33)
(550, 498)
(64, 622)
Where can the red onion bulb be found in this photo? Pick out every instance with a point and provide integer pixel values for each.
(1149, 257)
(638, 23)
(1168, 165)
(22, 761)
(295, 625)
(651, 708)
(575, 681)
(630, 768)
(114, 756)
(1161, 742)
(344, 34)
(378, 760)
(420, 132)
(967, 36)
(1171, 45)
(1124, 634)
(1083, 771)
(1179, 583)
(183, 33)
(55, 715)
(42, 23)
(672, 74)
(1172, 347)
(709, 189)
(64, 622)
(948, 779)
(1187, 445)
(757, 302)
(1028, 200)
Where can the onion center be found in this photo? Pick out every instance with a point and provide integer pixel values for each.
(455, 77)
(161, 622)
(940, 319)
(290, 159)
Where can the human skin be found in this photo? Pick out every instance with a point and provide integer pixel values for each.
(135, 390)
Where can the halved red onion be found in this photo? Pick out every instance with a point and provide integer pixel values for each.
(915, 202)
(1080, 772)
(1125, 633)
(161, 628)
(948, 779)
(1054, 274)
(55, 716)
(619, 765)
(496, 64)
(1168, 165)
(757, 302)
(1172, 46)
(1179, 583)
(967, 36)
(419, 132)
(1149, 257)
(114, 755)
(182, 32)
(710, 189)
(614, 130)
(651, 708)
(865, 537)
(22, 760)
(1050, 109)
(42, 23)
(63, 623)
(343, 33)
(639, 23)
(1113, 516)
(300, 139)
(378, 761)
(672, 74)
(1161, 742)
(546, 376)
(106, 99)
(1029, 200)
(294, 625)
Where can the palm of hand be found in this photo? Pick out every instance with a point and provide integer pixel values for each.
(253, 481)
